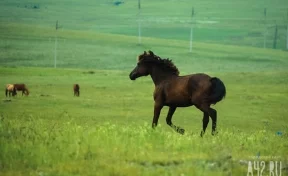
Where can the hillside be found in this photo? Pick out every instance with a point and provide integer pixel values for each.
(107, 130)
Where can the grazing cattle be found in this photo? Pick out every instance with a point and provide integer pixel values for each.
(23, 88)
(11, 89)
(76, 89)
(175, 91)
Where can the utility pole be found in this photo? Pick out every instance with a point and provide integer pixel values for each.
(287, 30)
(275, 37)
(191, 30)
(139, 22)
(287, 37)
(55, 49)
(265, 28)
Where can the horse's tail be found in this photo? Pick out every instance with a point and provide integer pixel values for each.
(218, 90)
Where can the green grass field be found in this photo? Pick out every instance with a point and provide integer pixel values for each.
(107, 130)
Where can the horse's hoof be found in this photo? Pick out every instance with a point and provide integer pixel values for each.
(154, 125)
(181, 131)
(202, 133)
(214, 133)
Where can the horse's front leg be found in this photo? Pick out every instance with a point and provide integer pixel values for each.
(169, 120)
(157, 111)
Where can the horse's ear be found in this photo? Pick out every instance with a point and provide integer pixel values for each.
(151, 53)
(145, 53)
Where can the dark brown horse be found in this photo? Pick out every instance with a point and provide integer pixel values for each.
(10, 88)
(179, 91)
(23, 88)
(76, 89)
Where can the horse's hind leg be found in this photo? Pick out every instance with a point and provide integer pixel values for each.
(213, 115)
(169, 121)
(205, 123)
(169, 116)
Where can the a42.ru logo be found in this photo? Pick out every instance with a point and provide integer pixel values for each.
(262, 168)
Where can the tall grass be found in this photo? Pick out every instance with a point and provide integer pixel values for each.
(34, 145)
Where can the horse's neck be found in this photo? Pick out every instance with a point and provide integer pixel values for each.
(159, 76)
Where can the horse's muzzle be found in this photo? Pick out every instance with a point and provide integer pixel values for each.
(132, 77)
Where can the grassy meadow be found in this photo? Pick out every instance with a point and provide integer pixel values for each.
(107, 130)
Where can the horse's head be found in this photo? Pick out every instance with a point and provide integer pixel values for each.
(14, 92)
(142, 68)
(27, 92)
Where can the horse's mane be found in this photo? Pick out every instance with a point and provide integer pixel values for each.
(165, 64)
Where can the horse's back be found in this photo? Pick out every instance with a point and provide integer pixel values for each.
(199, 85)
(174, 91)
(199, 81)
(194, 82)
(185, 90)
(9, 86)
(199, 77)
(20, 86)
